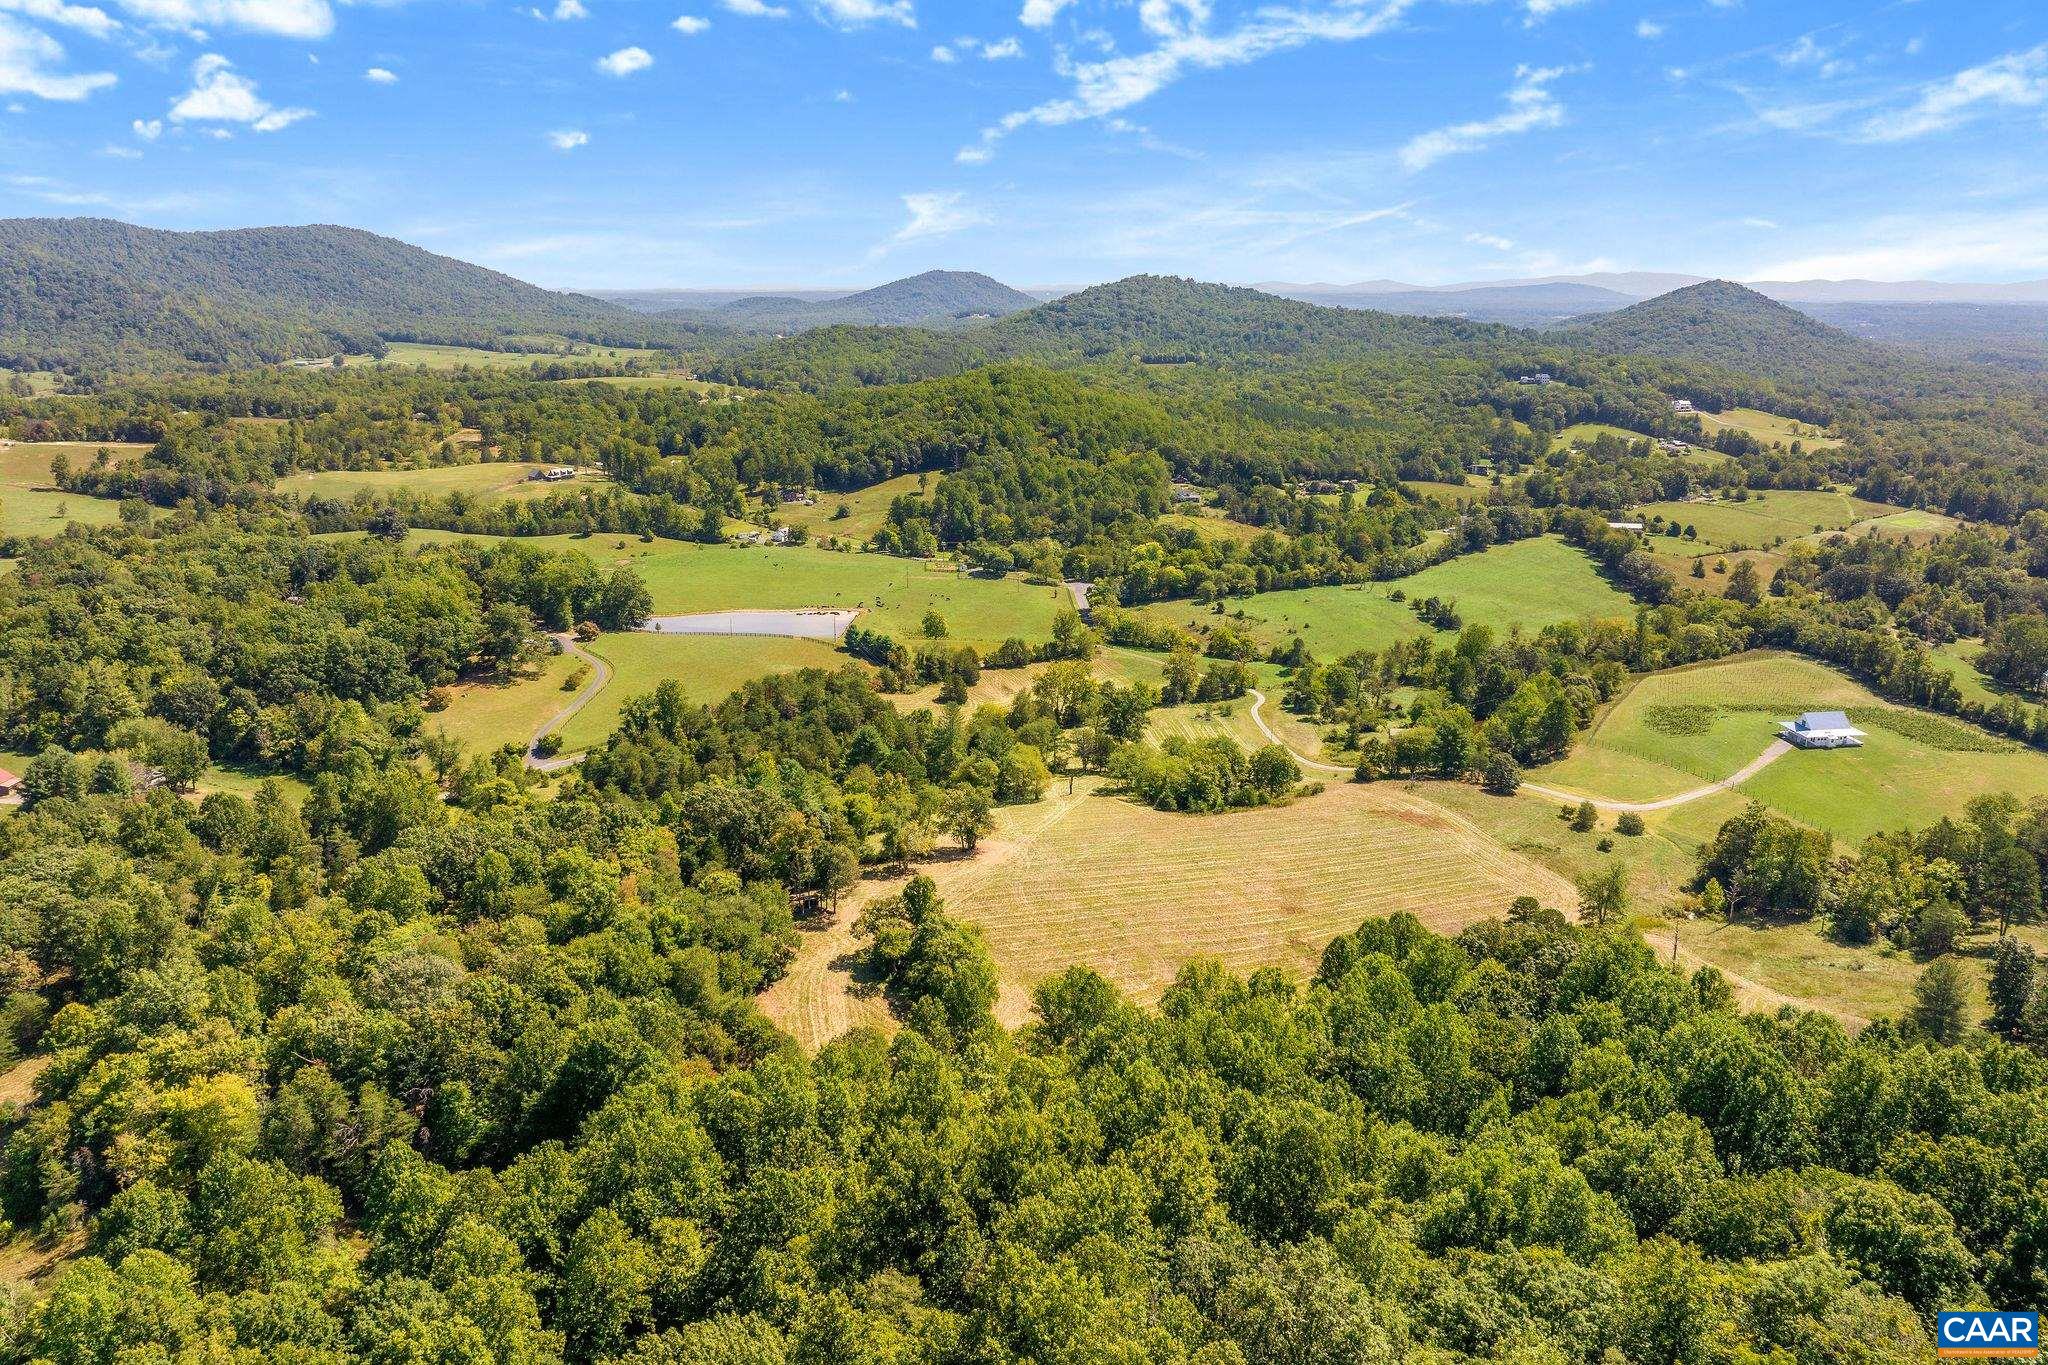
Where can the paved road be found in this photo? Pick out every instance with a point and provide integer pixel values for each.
(1778, 749)
(600, 674)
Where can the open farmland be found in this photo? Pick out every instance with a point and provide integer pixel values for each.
(1675, 731)
(436, 357)
(1764, 519)
(1531, 583)
(1768, 428)
(483, 482)
(866, 510)
(30, 505)
(485, 716)
(1137, 894)
(708, 667)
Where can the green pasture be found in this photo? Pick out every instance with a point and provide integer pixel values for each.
(484, 482)
(1767, 427)
(709, 668)
(1530, 583)
(1675, 731)
(1764, 519)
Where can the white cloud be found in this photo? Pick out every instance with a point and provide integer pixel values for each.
(1041, 13)
(1649, 30)
(149, 130)
(625, 61)
(936, 215)
(756, 9)
(1114, 84)
(2005, 245)
(2016, 80)
(987, 51)
(378, 75)
(84, 18)
(843, 97)
(689, 25)
(1530, 106)
(568, 139)
(565, 10)
(1489, 239)
(944, 54)
(855, 13)
(220, 95)
(996, 52)
(115, 149)
(1760, 224)
(1536, 11)
(281, 18)
(29, 61)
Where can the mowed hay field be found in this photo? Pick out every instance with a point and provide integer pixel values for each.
(1764, 519)
(1675, 731)
(484, 482)
(31, 506)
(1530, 583)
(436, 357)
(1094, 880)
(1137, 893)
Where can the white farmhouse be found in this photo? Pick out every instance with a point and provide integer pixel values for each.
(1821, 730)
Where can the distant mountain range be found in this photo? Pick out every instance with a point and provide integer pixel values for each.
(935, 298)
(1637, 285)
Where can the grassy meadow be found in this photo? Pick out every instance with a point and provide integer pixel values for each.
(436, 357)
(1677, 730)
(866, 510)
(1764, 520)
(483, 482)
(1137, 893)
(1531, 583)
(31, 506)
(1767, 427)
(709, 668)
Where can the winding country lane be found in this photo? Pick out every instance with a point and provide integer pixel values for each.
(600, 674)
(1776, 750)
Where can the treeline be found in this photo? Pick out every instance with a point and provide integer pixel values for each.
(266, 647)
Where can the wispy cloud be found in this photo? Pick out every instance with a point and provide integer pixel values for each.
(934, 214)
(690, 25)
(1488, 239)
(1184, 43)
(31, 63)
(568, 139)
(1530, 106)
(280, 18)
(755, 9)
(84, 18)
(219, 94)
(2016, 80)
(378, 75)
(1649, 30)
(626, 61)
(2000, 244)
(859, 13)
(1535, 12)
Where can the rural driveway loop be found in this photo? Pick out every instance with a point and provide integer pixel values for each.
(1778, 749)
(600, 674)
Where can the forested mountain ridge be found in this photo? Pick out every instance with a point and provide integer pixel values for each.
(92, 292)
(935, 298)
(1725, 324)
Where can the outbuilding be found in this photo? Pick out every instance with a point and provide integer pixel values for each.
(1821, 730)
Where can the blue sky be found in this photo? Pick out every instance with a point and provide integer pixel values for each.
(760, 142)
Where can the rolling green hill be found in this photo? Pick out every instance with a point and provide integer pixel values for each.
(93, 293)
(1724, 324)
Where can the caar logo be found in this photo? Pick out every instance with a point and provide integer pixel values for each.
(1987, 1334)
